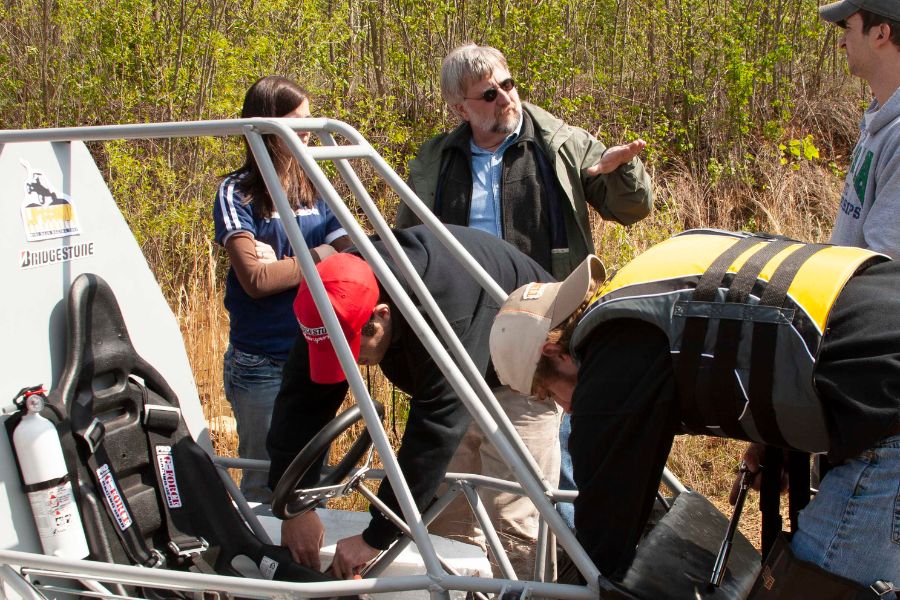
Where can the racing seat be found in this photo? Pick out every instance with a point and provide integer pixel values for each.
(148, 493)
(676, 557)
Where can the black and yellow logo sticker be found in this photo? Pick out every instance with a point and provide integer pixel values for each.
(46, 212)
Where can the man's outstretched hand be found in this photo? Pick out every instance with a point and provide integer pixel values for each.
(615, 157)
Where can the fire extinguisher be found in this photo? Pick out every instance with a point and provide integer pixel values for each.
(46, 479)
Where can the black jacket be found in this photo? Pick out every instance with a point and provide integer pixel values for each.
(437, 418)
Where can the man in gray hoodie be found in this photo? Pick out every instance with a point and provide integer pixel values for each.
(869, 215)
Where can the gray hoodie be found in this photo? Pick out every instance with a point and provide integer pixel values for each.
(869, 214)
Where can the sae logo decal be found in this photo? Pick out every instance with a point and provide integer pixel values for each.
(46, 212)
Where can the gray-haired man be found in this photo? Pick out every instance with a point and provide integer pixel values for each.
(521, 174)
(518, 172)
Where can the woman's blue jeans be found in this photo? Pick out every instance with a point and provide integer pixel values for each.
(251, 383)
(852, 526)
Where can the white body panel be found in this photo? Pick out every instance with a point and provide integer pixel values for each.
(466, 559)
(40, 256)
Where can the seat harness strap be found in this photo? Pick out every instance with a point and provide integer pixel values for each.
(161, 423)
(116, 503)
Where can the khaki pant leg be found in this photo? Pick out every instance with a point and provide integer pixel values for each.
(457, 520)
(515, 517)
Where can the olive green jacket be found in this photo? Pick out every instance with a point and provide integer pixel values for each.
(624, 196)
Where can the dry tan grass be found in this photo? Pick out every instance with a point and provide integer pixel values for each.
(204, 326)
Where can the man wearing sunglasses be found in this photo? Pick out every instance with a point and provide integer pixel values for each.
(516, 171)
(519, 173)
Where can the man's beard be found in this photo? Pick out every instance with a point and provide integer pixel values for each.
(505, 123)
(545, 372)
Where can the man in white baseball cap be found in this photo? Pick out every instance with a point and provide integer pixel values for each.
(793, 346)
(520, 333)
(869, 215)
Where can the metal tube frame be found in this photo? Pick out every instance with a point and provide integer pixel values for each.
(519, 460)
(30, 563)
(490, 532)
(459, 370)
(382, 562)
(396, 520)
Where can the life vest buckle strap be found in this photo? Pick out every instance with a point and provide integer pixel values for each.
(733, 312)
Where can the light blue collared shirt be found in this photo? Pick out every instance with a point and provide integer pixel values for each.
(487, 171)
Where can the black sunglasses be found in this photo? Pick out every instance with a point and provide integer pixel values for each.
(490, 94)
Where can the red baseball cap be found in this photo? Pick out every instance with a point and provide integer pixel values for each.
(353, 291)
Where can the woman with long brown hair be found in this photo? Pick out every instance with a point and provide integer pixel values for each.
(264, 274)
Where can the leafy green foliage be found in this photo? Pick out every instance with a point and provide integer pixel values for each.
(705, 82)
(796, 151)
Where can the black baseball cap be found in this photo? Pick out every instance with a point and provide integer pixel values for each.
(844, 9)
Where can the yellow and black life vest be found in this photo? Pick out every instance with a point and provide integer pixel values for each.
(744, 315)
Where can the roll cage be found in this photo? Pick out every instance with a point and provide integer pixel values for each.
(25, 570)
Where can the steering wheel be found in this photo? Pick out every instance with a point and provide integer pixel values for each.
(288, 501)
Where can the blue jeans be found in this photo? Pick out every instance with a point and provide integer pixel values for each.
(852, 526)
(566, 479)
(251, 384)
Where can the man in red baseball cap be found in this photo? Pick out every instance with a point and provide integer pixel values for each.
(314, 385)
(353, 291)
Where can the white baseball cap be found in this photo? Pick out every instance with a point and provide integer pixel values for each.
(528, 315)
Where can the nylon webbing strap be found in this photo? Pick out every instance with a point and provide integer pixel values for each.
(712, 279)
(798, 478)
(765, 338)
(769, 498)
(161, 423)
(745, 279)
(776, 291)
(694, 336)
(728, 339)
(116, 503)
